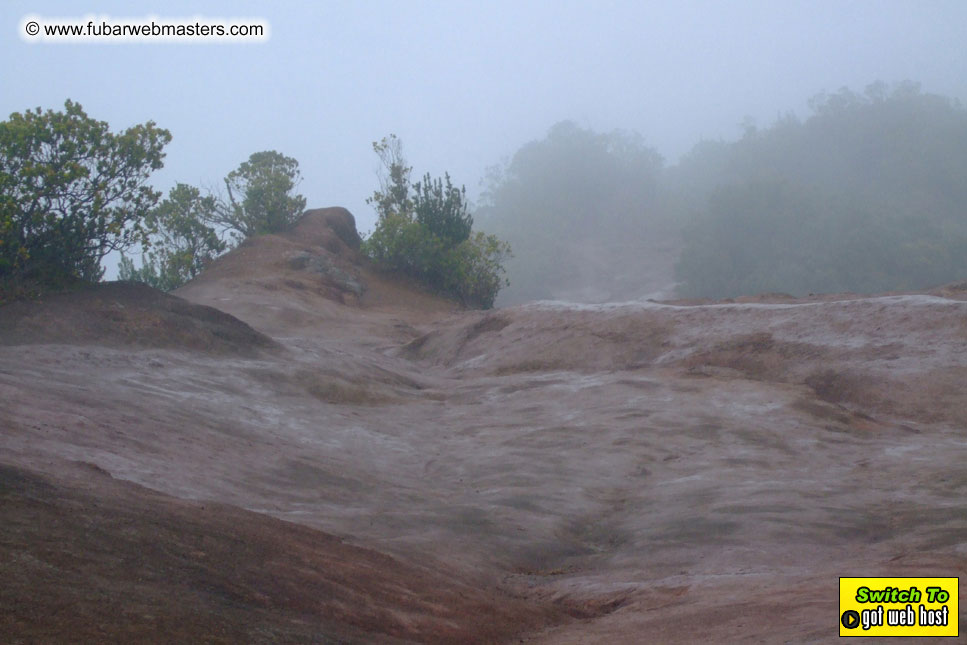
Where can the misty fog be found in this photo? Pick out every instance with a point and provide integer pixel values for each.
(864, 195)
(625, 151)
(727, 372)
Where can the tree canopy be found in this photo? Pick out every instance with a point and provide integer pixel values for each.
(186, 231)
(181, 243)
(259, 195)
(865, 195)
(71, 191)
(577, 207)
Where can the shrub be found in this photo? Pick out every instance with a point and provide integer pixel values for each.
(71, 191)
(182, 244)
(474, 268)
(442, 210)
(428, 236)
(259, 196)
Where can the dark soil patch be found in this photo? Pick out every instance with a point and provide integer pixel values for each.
(127, 314)
(108, 561)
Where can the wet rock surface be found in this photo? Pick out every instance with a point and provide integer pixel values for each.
(401, 471)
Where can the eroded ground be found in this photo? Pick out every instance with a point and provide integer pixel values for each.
(548, 473)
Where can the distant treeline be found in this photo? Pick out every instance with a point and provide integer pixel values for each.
(869, 193)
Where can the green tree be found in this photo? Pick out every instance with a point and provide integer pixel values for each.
(581, 208)
(259, 196)
(181, 243)
(474, 268)
(442, 209)
(424, 231)
(865, 195)
(393, 196)
(71, 191)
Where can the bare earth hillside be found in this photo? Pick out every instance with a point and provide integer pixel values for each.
(296, 448)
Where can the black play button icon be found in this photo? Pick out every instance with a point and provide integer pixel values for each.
(850, 619)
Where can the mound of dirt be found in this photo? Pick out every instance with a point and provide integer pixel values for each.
(318, 256)
(127, 315)
(304, 279)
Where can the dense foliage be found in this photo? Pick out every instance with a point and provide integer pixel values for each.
(181, 243)
(866, 195)
(186, 231)
(424, 231)
(579, 208)
(259, 195)
(442, 210)
(71, 191)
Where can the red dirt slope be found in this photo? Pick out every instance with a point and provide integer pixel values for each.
(395, 468)
(86, 558)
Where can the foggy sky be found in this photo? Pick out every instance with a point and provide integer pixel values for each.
(465, 84)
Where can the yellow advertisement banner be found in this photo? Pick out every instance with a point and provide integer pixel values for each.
(898, 606)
